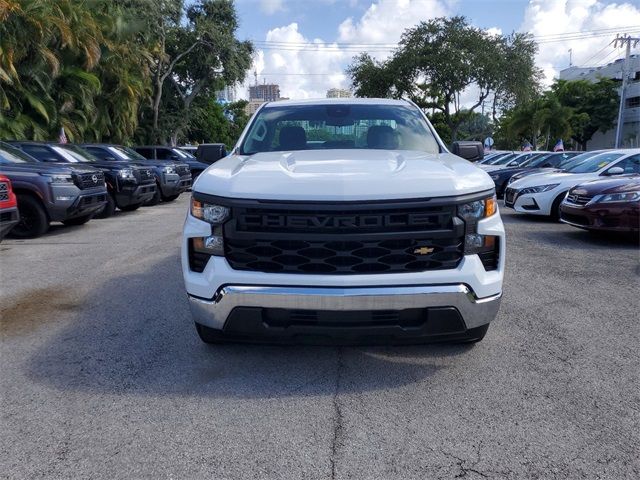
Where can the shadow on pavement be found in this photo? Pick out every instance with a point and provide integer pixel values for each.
(134, 335)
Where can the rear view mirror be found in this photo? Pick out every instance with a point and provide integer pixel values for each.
(211, 152)
(472, 151)
(615, 171)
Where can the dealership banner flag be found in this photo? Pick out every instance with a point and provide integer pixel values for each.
(559, 146)
(62, 138)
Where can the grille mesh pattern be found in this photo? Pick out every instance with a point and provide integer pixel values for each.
(340, 257)
(143, 175)
(4, 191)
(182, 170)
(90, 180)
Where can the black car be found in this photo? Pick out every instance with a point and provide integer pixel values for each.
(129, 186)
(171, 178)
(51, 192)
(540, 161)
(175, 154)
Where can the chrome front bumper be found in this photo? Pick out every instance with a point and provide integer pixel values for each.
(474, 311)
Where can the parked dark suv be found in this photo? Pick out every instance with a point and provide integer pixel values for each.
(169, 184)
(174, 154)
(51, 192)
(129, 186)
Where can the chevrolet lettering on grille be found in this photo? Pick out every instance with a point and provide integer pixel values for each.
(338, 221)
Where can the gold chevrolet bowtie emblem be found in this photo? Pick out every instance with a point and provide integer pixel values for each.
(423, 250)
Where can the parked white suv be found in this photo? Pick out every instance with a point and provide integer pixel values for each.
(343, 220)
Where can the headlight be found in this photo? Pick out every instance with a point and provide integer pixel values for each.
(169, 169)
(59, 178)
(471, 213)
(479, 209)
(617, 197)
(213, 214)
(126, 173)
(538, 188)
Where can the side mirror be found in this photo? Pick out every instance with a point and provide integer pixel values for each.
(512, 164)
(472, 151)
(615, 171)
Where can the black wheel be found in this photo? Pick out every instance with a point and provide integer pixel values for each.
(155, 199)
(555, 207)
(476, 334)
(33, 218)
(210, 335)
(109, 209)
(78, 220)
(169, 198)
(130, 208)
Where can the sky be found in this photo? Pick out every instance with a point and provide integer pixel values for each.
(305, 45)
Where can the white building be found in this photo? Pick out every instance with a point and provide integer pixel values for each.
(338, 93)
(227, 94)
(631, 112)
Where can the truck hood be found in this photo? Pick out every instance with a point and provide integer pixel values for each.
(51, 168)
(342, 175)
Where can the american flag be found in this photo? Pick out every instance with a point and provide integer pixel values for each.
(527, 146)
(62, 138)
(559, 146)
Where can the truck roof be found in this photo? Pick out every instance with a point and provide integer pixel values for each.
(344, 101)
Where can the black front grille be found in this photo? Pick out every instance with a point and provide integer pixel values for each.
(578, 199)
(89, 180)
(197, 260)
(143, 175)
(4, 191)
(344, 239)
(182, 170)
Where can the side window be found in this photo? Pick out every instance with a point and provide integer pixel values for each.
(98, 152)
(145, 152)
(39, 152)
(163, 154)
(630, 164)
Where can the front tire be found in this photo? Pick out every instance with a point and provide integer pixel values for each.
(33, 218)
(130, 208)
(155, 199)
(78, 220)
(170, 198)
(210, 335)
(109, 209)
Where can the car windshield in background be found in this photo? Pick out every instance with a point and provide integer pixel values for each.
(73, 154)
(131, 153)
(578, 159)
(502, 160)
(594, 164)
(182, 154)
(339, 126)
(9, 154)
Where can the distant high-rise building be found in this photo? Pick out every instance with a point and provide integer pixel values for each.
(267, 92)
(338, 93)
(227, 94)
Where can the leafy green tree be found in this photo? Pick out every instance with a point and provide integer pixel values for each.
(594, 106)
(439, 60)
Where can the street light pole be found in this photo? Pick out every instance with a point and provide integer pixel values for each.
(625, 76)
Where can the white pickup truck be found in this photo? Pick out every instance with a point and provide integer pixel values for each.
(343, 220)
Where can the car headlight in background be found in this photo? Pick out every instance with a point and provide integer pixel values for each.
(472, 213)
(215, 215)
(538, 189)
(126, 174)
(169, 169)
(617, 197)
(56, 178)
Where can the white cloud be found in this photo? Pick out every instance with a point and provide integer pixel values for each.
(554, 17)
(383, 22)
(271, 6)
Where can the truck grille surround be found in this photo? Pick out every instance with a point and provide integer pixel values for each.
(344, 238)
(89, 180)
(143, 175)
(182, 170)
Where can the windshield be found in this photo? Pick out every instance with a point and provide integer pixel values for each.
(9, 154)
(182, 154)
(131, 153)
(550, 159)
(502, 160)
(493, 157)
(73, 154)
(338, 126)
(594, 163)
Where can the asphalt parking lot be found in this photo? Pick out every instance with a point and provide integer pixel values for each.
(103, 375)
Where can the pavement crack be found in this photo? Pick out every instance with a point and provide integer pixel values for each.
(337, 416)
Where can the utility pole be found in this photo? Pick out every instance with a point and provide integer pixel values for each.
(570, 57)
(625, 77)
